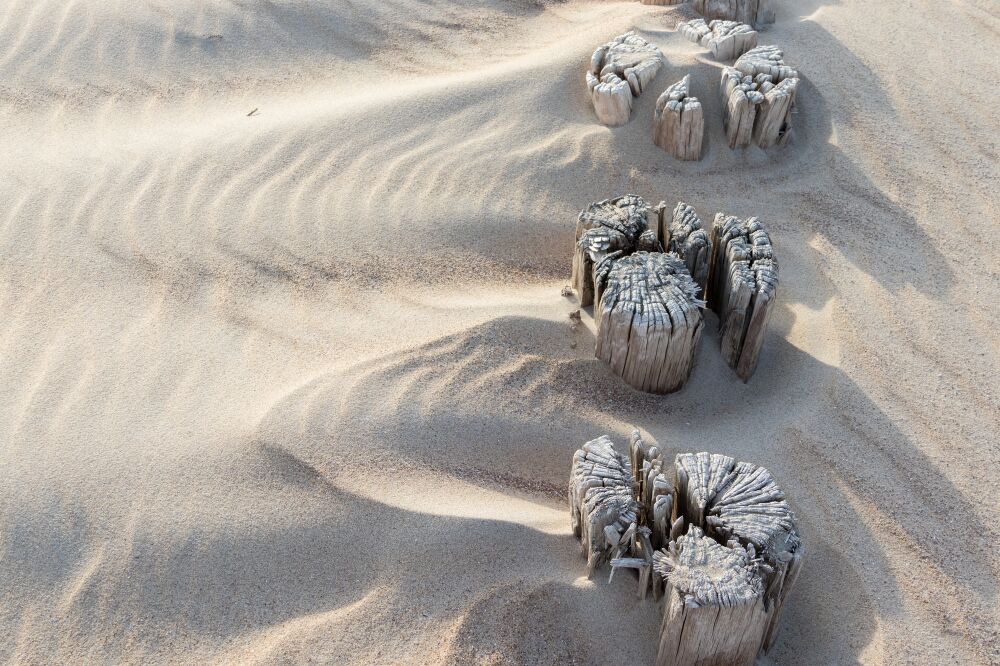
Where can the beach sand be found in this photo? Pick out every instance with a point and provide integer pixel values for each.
(299, 385)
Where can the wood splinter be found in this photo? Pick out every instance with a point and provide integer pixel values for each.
(619, 71)
(742, 288)
(725, 39)
(688, 239)
(678, 122)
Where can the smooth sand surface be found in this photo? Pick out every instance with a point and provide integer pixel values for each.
(301, 385)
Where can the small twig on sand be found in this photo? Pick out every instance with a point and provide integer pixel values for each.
(252, 112)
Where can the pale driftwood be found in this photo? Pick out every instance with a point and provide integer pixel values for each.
(758, 95)
(742, 503)
(713, 609)
(689, 240)
(654, 489)
(725, 39)
(664, 2)
(648, 318)
(742, 288)
(751, 12)
(612, 225)
(728, 560)
(602, 508)
(678, 122)
(619, 71)
(774, 116)
(740, 99)
(767, 59)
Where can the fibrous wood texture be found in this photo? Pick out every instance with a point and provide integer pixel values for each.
(689, 240)
(713, 609)
(678, 123)
(606, 227)
(741, 503)
(740, 99)
(664, 2)
(619, 71)
(751, 12)
(713, 536)
(602, 508)
(648, 318)
(725, 39)
(758, 96)
(742, 287)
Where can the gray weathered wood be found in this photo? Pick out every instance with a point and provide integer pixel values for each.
(742, 288)
(689, 240)
(740, 99)
(678, 121)
(758, 96)
(619, 71)
(725, 39)
(713, 608)
(605, 227)
(726, 565)
(751, 12)
(648, 318)
(742, 503)
(600, 498)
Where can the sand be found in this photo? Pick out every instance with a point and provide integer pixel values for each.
(300, 386)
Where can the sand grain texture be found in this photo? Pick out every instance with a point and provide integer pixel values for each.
(225, 336)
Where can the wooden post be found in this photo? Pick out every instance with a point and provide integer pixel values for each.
(740, 98)
(600, 500)
(689, 240)
(605, 227)
(678, 122)
(619, 71)
(742, 288)
(751, 12)
(758, 95)
(726, 40)
(742, 503)
(728, 562)
(713, 608)
(649, 319)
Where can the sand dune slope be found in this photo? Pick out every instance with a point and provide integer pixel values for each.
(299, 384)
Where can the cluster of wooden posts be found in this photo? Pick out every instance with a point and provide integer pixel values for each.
(758, 91)
(649, 273)
(713, 538)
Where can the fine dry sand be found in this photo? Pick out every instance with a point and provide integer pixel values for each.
(301, 386)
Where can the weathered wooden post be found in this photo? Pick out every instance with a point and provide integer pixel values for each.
(751, 12)
(758, 94)
(648, 318)
(678, 122)
(688, 239)
(714, 537)
(618, 225)
(602, 507)
(725, 39)
(619, 71)
(742, 288)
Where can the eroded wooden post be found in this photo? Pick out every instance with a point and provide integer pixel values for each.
(678, 122)
(725, 39)
(727, 563)
(648, 318)
(742, 289)
(619, 71)
(751, 12)
(609, 226)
